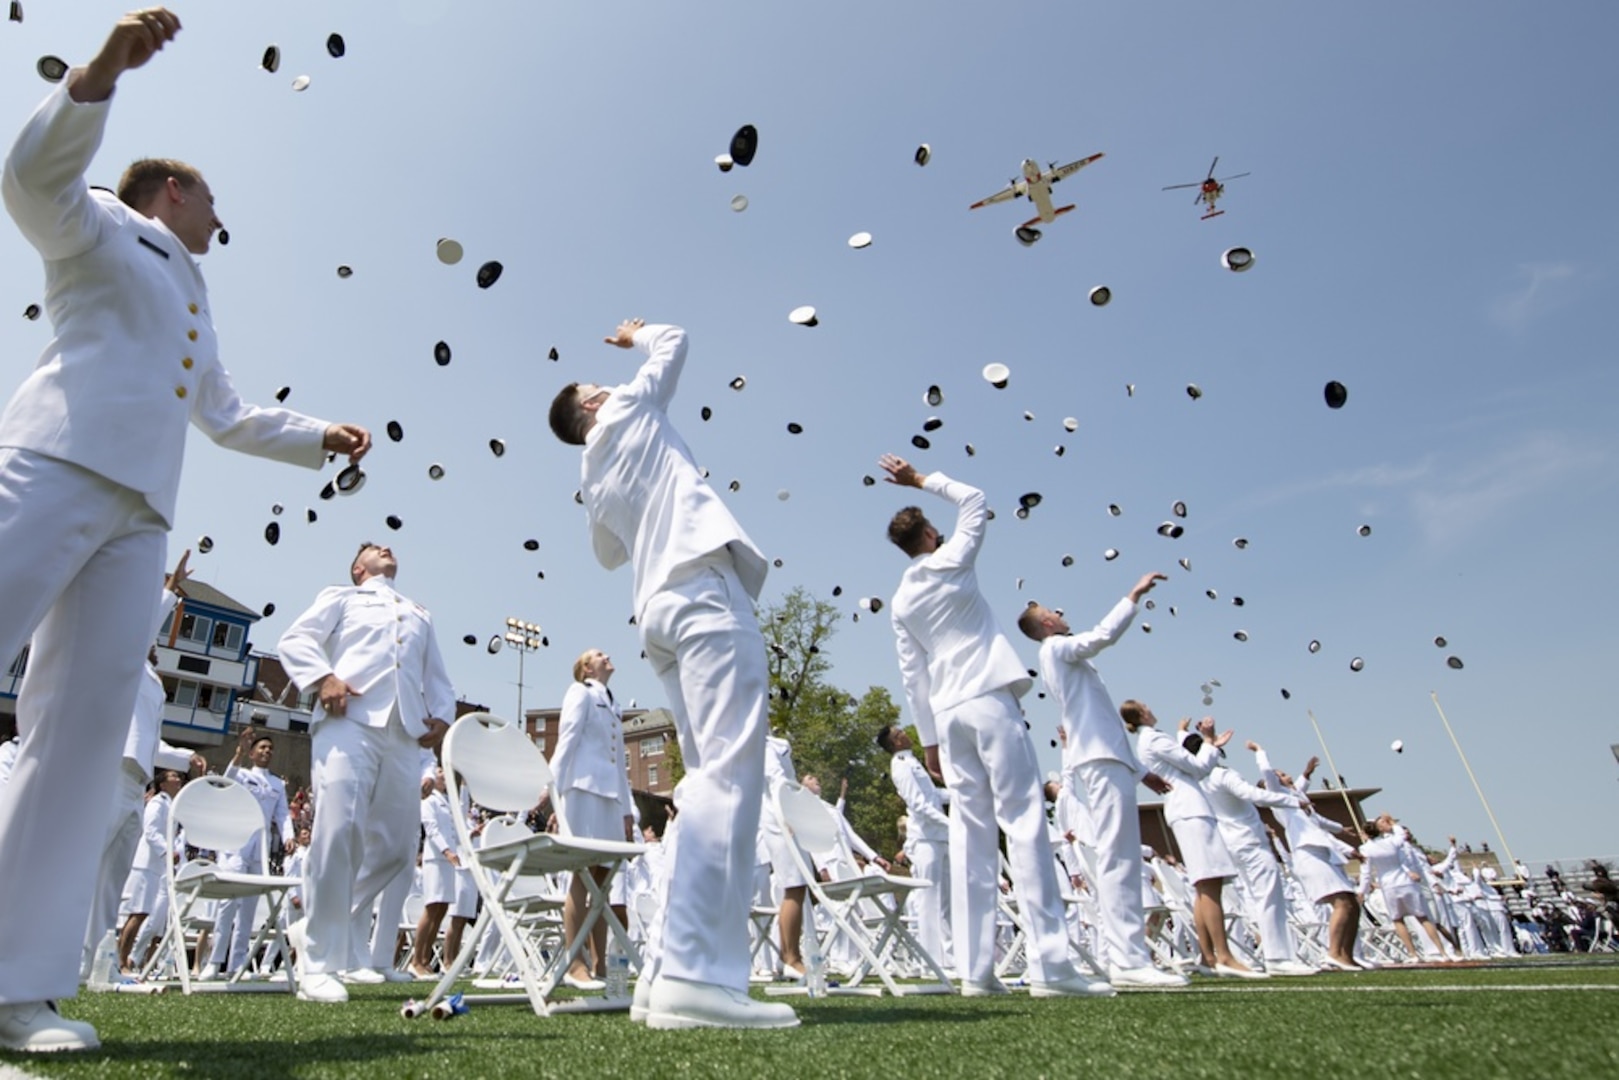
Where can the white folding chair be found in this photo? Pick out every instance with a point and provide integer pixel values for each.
(813, 826)
(505, 773)
(219, 814)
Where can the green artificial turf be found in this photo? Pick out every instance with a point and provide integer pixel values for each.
(1394, 1024)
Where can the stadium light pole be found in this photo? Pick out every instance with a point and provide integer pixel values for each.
(525, 637)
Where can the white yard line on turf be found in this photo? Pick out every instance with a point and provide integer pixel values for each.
(1342, 989)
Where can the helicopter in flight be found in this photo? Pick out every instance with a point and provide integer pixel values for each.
(1209, 189)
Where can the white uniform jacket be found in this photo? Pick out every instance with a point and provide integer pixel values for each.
(590, 745)
(1163, 754)
(1235, 800)
(378, 642)
(1095, 732)
(439, 825)
(645, 498)
(143, 745)
(924, 801)
(154, 845)
(271, 792)
(134, 359)
(951, 649)
(1302, 825)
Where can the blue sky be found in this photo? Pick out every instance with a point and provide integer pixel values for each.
(1430, 205)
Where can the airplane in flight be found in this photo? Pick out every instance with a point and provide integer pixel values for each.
(1035, 185)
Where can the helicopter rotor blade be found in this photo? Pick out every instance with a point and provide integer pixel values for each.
(1176, 187)
(1212, 164)
(1237, 176)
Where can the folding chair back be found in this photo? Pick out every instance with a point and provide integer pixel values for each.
(809, 819)
(500, 766)
(217, 814)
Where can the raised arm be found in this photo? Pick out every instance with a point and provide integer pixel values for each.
(665, 347)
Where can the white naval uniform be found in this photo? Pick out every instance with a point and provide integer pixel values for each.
(1186, 807)
(368, 767)
(91, 447)
(962, 682)
(696, 577)
(784, 871)
(1384, 863)
(592, 784)
(1234, 801)
(1318, 856)
(1099, 756)
(438, 827)
(150, 863)
(927, 845)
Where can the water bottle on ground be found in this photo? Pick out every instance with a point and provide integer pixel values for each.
(618, 970)
(104, 965)
(814, 964)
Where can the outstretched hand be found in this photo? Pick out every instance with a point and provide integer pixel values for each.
(900, 471)
(1144, 586)
(175, 582)
(350, 439)
(135, 39)
(624, 336)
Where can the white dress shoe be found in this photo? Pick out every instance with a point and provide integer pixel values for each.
(678, 1004)
(589, 986)
(35, 1027)
(791, 974)
(1073, 986)
(362, 977)
(1226, 971)
(394, 975)
(209, 973)
(993, 988)
(1147, 978)
(1329, 964)
(1288, 967)
(322, 986)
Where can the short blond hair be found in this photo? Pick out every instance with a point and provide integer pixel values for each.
(581, 666)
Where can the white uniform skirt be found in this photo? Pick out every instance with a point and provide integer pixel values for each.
(143, 888)
(1318, 875)
(464, 905)
(591, 816)
(438, 881)
(1406, 901)
(1202, 849)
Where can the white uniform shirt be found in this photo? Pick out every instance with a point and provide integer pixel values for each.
(646, 500)
(1095, 731)
(144, 745)
(951, 649)
(378, 642)
(154, 844)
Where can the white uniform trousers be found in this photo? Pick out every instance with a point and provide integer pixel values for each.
(1262, 881)
(1115, 826)
(989, 762)
(390, 913)
(367, 786)
(80, 562)
(703, 641)
(117, 857)
(930, 862)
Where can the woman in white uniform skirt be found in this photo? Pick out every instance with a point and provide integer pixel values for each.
(1192, 820)
(593, 796)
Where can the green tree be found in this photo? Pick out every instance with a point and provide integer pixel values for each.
(833, 733)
